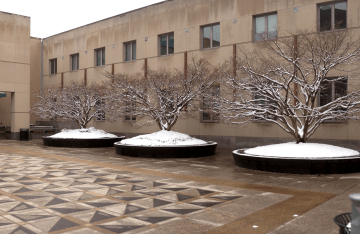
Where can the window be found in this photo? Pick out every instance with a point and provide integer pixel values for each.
(332, 16)
(100, 105)
(130, 109)
(167, 44)
(100, 57)
(130, 51)
(210, 36)
(332, 89)
(53, 66)
(74, 62)
(265, 27)
(267, 103)
(210, 105)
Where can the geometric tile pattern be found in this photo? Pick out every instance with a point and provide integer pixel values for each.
(42, 195)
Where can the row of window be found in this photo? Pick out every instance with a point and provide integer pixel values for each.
(331, 16)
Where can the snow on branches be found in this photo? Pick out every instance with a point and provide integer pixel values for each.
(163, 96)
(75, 102)
(296, 82)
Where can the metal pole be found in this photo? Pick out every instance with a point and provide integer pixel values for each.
(355, 213)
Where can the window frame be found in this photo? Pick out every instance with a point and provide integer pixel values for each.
(102, 58)
(167, 43)
(332, 15)
(100, 118)
(259, 120)
(131, 51)
(266, 15)
(211, 36)
(53, 62)
(214, 117)
(77, 62)
(333, 83)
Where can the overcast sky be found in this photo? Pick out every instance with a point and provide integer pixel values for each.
(53, 17)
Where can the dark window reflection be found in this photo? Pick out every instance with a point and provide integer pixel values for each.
(206, 37)
(216, 36)
(163, 42)
(325, 18)
(340, 15)
(171, 44)
(325, 93)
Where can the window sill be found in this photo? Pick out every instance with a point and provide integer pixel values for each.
(165, 55)
(210, 121)
(212, 48)
(131, 61)
(53, 74)
(99, 66)
(74, 70)
(334, 30)
(269, 39)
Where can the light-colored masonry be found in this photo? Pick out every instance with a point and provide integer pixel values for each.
(20, 57)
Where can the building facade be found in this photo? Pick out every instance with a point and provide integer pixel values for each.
(166, 35)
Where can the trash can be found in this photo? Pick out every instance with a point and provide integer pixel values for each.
(24, 134)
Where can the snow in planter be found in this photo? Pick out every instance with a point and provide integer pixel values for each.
(85, 133)
(163, 138)
(302, 150)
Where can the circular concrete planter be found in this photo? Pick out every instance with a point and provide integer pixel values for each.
(178, 151)
(81, 143)
(339, 165)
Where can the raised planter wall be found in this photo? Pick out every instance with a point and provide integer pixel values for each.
(190, 151)
(81, 143)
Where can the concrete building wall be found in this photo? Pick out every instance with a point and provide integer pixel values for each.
(35, 73)
(185, 18)
(15, 71)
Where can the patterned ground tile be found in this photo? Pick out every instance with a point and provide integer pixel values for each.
(123, 225)
(204, 203)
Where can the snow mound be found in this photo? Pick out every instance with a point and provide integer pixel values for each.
(302, 150)
(163, 138)
(85, 133)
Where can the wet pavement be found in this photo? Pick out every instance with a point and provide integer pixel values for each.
(64, 190)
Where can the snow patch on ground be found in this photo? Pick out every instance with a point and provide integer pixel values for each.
(302, 150)
(85, 133)
(162, 138)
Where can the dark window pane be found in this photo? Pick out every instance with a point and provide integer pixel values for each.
(128, 52)
(171, 44)
(272, 26)
(134, 51)
(340, 15)
(163, 45)
(77, 68)
(216, 36)
(207, 37)
(98, 58)
(206, 116)
(259, 28)
(51, 67)
(325, 18)
(55, 65)
(325, 93)
(340, 88)
(103, 57)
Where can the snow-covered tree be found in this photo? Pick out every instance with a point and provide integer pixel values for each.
(75, 102)
(296, 82)
(163, 96)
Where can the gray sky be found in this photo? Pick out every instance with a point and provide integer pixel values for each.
(53, 17)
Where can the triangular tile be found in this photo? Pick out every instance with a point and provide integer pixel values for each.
(28, 197)
(204, 192)
(63, 224)
(182, 197)
(77, 183)
(158, 202)
(27, 218)
(129, 198)
(157, 184)
(114, 191)
(52, 186)
(21, 206)
(67, 210)
(174, 189)
(55, 201)
(86, 196)
(132, 209)
(24, 178)
(21, 230)
(181, 211)
(99, 180)
(153, 219)
(23, 190)
(137, 187)
(120, 177)
(120, 228)
(99, 216)
(45, 224)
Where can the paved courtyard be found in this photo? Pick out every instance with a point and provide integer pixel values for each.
(62, 190)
